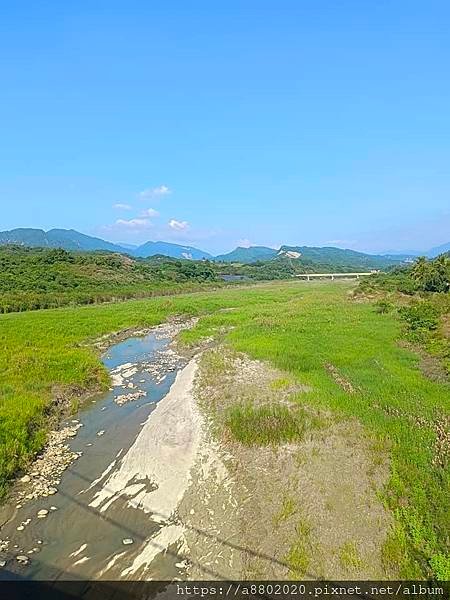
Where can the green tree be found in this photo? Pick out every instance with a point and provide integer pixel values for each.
(432, 275)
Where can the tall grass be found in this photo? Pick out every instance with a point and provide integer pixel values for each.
(264, 425)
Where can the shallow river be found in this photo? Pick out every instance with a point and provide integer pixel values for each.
(90, 533)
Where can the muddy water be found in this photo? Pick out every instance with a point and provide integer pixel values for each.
(79, 538)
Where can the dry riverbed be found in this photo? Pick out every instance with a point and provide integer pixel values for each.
(167, 491)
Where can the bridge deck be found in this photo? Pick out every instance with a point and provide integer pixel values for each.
(333, 275)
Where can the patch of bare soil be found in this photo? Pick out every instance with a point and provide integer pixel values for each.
(346, 385)
(446, 326)
(430, 366)
(303, 510)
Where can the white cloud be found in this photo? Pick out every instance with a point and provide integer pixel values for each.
(156, 192)
(178, 225)
(150, 212)
(122, 206)
(134, 223)
(245, 243)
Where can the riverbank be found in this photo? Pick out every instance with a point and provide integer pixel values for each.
(106, 450)
(280, 504)
(314, 332)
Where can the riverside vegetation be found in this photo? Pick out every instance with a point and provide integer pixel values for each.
(343, 347)
(38, 278)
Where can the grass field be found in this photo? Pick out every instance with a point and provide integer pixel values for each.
(344, 350)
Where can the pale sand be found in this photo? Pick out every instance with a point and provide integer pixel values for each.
(163, 539)
(156, 471)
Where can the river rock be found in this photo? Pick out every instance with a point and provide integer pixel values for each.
(100, 433)
(22, 558)
(50, 465)
(124, 398)
(127, 542)
(20, 528)
(25, 479)
(42, 513)
(2, 563)
(182, 565)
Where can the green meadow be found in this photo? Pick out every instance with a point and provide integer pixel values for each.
(305, 329)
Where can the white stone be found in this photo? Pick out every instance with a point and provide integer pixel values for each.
(26, 479)
(22, 558)
(127, 542)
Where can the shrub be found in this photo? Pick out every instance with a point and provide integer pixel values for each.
(432, 275)
(420, 315)
(383, 306)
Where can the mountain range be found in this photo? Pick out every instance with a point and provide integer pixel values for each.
(308, 254)
(69, 239)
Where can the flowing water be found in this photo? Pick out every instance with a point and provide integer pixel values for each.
(79, 538)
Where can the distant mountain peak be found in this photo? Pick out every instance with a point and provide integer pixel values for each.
(70, 239)
(248, 254)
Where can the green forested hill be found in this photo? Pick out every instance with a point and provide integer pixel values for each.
(69, 239)
(303, 257)
(247, 255)
(32, 278)
(338, 258)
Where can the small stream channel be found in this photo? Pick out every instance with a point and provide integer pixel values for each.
(77, 539)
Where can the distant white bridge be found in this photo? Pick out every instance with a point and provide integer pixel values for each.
(332, 276)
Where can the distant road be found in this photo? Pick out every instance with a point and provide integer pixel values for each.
(309, 276)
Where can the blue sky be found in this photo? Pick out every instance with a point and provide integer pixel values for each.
(302, 122)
